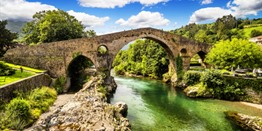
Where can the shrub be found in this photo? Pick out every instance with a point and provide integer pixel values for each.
(191, 77)
(212, 79)
(42, 98)
(18, 111)
(244, 83)
(59, 84)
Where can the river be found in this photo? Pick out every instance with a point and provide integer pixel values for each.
(155, 106)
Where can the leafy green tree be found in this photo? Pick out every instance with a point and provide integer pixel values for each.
(240, 52)
(49, 26)
(6, 38)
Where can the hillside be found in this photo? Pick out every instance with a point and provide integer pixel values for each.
(224, 28)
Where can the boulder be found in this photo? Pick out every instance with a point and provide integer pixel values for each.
(122, 108)
(250, 123)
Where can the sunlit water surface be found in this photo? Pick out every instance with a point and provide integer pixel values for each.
(155, 106)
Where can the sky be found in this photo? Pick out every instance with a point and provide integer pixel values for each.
(107, 16)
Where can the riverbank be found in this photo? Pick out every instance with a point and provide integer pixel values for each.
(87, 110)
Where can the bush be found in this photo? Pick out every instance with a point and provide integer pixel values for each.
(212, 79)
(255, 33)
(18, 111)
(5, 70)
(42, 98)
(191, 77)
(220, 88)
(244, 83)
(59, 84)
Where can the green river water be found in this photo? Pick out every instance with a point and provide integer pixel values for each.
(155, 106)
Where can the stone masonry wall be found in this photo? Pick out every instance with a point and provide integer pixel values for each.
(24, 85)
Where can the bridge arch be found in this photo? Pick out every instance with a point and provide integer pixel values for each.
(76, 72)
(162, 42)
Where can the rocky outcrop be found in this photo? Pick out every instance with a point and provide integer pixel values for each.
(88, 110)
(122, 108)
(250, 123)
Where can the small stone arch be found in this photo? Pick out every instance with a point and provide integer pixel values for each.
(202, 56)
(102, 50)
(183, 52)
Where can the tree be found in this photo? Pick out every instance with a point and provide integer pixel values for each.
(49, 26)
(6, 38)
(240, 52)
(90, 33)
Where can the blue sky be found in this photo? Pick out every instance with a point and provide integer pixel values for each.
(106, 16)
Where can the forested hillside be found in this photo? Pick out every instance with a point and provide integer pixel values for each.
(227, 27)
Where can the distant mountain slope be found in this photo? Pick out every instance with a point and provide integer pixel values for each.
(15, 26)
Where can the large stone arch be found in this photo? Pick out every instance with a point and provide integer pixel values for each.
(157, 39)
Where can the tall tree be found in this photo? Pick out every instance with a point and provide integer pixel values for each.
(240, 52)
(49, 26)
(6, 38)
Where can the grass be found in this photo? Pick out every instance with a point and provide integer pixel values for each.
(15, 77)
(27, 71)
(24, 67)
(248, 30)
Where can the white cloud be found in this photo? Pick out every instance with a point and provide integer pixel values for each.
(238, 8)
(87, 20)
(210, 13)
(116, 3)
(204, 2)
(242, 8)
(144, 19)
(21, 9)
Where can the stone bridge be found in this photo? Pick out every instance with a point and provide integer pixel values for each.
(56, 56)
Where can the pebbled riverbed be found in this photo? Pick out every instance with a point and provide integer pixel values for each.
(156, 106)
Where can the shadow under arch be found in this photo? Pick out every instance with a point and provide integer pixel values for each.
(198, 59)
(78, 71)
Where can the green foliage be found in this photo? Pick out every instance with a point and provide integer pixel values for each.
(22, 110)
(42, 98)
(5, 70)
(216, 84)
(191, 77)
(6, 37)
(90, 33)
(59, 84)
(212, 79)
(18, 111)
(225, 28)
(179, 67)
(255, 33)
(49, 26)
(244, 83)
(143, 57)
(227, 54)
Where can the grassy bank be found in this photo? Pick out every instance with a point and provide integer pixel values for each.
(18, 75)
